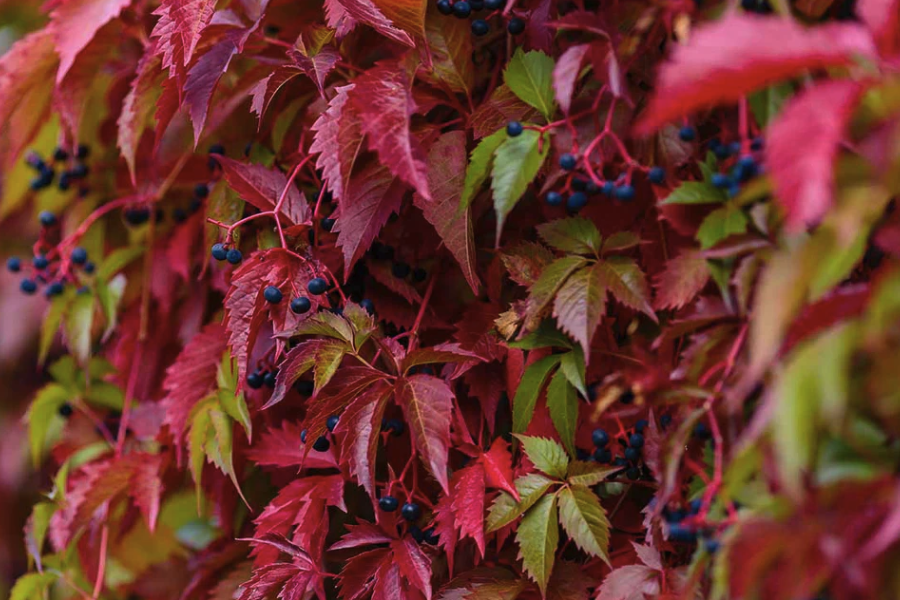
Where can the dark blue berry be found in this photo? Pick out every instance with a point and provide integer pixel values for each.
(322, 444)
(255, 380)
(388, 503)
(636, 440)
(136, 216)
(419, 275)
(79, 172)
(682, 533)
(673, 515)
(60, 154)
(42, 181)
(745, 169)
(722, 151)
(400, 270)
(568, 161)
(476, 5)
(47, 219)
(328, 223)
(217, 149)
(633, 473)
(305, 388)
(416, 533)
(462, 9)
(383, 252)
(620, 461)
(431, 537)
(609, 188)
(600, 438)
(40, 262)
(657, 175)
(179, 215)
(303, 436)
(201, 190)
(300, 305)
(82, 152)
(721, 180)
(444, 7)
(367, 305)
(665, 421)
(641, 425)
(712, 546)
(513, 128)
(272, 295)
(576, 201)
(219, 252)
(602, 455)
(515, 26)
(65, 181)
(553, 199)
(592, 188)
(54, 289)
(66, 410)
(317, 286)
(395, 426)
(757, 144)
(701, 431)
(582, 454)
(624, 192)
(632, 454)
(579, 185)
(480, 27)
(687, 133)
(411, 511)
(79, 256)
(234, 256)
(695, 505)
(494, 4)
(332, 422)
(13, 264)
(28, 286)
(269, 379)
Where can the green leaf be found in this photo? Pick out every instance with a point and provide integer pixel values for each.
(626, 282)
(36, 529)
(235, 406)
(52, 321)
(575, 234)
(562, 402)
(42, 415)
(516, 163)
(836, 264)
(480, 162)
(589, 473)
(529, 389)
(197, 437)
(621, 240)
(695, 192)
(530, 77)
(573, 367)
(584, 520)
(226, 206)
(546, 455)
(117, 260)
(110, 295)
(505, 509)
(78, 323)
(551, 279)
(328, 359)
(721, 224)
(766, 103)
(105, 394)
(32, 586)
(545, 336)
(538, 537)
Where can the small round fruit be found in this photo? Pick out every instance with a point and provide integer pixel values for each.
(300, 305)
(219, 252)
(462, 9)
(40, 262)
(217, 149)
(66, 410)
(576, 201)
(395, 426)
(400, 270)
(579, 184)
(269, 379)
(28, 286)
(602, 455)
(494, 4)
(303, 436)
(625, 192)
(317, 286)
(79, 256)
(633, 473)
(636, 440)
(272, 295)
(608, 189)
(480, 28)
(600, 438)
(255, 380)
(328, 223)
(513, 128)
(383, 252)
(13, 264)
(515, 26)
(627, 396)
(641, 425)
(568, 161)
(388, 503)
(201, 190)
(687, 133)
(60, 154)
(444, 7)
(47, 218)
(417, 534)
(721, 180)
(657, 175)
(367, 305)
(322, 444)
(553, 199)
(332, 422)
(82, 152)
(665, 421)
(411, 511)
(632, 454)
(89, 267)
(234, 256)
(54, 289)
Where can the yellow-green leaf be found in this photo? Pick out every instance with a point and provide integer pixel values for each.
(43, 415)
(530, 77)
(529, 389)
(562, 402)
(546, 455)
(584, 520)
(505, 509)
(516, 163)
(538, 537)
(79, 322)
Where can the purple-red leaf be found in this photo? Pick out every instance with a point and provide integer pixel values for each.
(180, 25)
(427, 403)
(338, 141)
(75, 24)
(139, 106)
(317, 66)
(685, 276)
(365, 11)
(565, 74)
(263, 187)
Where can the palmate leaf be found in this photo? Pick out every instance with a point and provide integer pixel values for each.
(180, 25)
(360, 423)
(551, 279)
(516, 163)
(627, 284)
(580, 304)
(538, 537)
(562, 402)
(530, 77)
(584, 520)
(427, 402)
(506, 509)
(546, 455)
(575, 234)
(262, 187)
(529, 389)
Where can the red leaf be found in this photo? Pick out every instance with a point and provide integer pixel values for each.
(287, 581)
(337, 18)
(282, 447)
(427, 402)
(631, 582)
(498, 472)
(369, 199)
(318, 66)
(192, 377)
(467, 503)
(445, 528)
(382, 98)
(499, 109)
(262, 187)
(357, 576)
(882, 17)
(338, 139)
(725, 60)
(802, 145)
(138, 107)
(180, 25)
(298, 361)
(408, 15)
(565, 74)
(26, 86)
(146, 486)
(360, 423)
(685, 276)
(75, 24)
(446, 175)
(381, 271)
(363, 534)
(414, 564)
(266, 89)
(366, 12)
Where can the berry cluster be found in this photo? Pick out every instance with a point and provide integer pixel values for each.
(74, 169)
(463, 9)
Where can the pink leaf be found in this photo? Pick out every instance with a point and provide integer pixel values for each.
(467, 503)
(180, 25)
(202, 80)
(146, 485)
(802, 145)
(75, 24)
(282, 447)
(414, 564)
(318, 66)
(882, 17)
(366, 12)
(266, 89)
(725, 60)
(685, 276)
(262, 187)
(382, 98)
(369, 199)
(138, 107)
(565, 74)
(338, 140)
(427, 402)
(446, 175)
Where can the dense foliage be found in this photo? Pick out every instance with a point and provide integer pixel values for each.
(461, 299)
